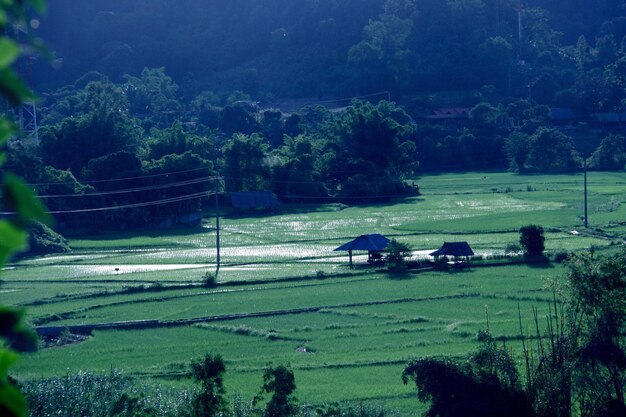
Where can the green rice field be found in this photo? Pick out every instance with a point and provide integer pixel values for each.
(284, 295)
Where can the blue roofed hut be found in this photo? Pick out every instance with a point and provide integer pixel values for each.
(373, 244)
(250, 200)
(455, 250)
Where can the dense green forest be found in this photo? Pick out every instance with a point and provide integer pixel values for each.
(282, 48)
(150, 101)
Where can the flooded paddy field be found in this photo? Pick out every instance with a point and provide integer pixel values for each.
(284, 296)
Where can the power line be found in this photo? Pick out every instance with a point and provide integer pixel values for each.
(134, 190)
(165, 174)
(127, 206)
(348, 197)
(322, 183)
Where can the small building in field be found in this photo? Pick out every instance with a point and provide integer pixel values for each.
(374, 244)
(254, 200)
(454, 250)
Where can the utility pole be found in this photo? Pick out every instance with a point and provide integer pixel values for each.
(26, 114)
(217, 225)
(585, 186)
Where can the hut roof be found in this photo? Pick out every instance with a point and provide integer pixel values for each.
(454, 249)
(373, 242)
(253, 199)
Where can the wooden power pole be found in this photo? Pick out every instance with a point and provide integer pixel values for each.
(217, 225)
(585, 186)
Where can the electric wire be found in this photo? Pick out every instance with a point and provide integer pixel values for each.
(165, 174)
(134, 190)
(207, 194)
(127, 206)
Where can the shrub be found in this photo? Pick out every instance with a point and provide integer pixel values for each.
(397, 252)
(101, 395)
(560, 256)
(42, 240)
(156, 286)
(209, 280)
(512, 249)
(360, 409)
(128, 405)
(241, 407)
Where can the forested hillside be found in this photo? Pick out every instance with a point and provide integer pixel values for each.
(283, 48)
(149, 101)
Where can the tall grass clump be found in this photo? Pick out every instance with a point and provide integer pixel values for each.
(101, 395)
(241, 407)
(209, 280)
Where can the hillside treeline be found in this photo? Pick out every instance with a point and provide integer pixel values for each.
(103, 163)
(119, 155)
(562, 51)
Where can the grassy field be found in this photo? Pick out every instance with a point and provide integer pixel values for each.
(347, 333)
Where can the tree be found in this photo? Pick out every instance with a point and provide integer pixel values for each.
(100, 126)
(182, 169)
(484, 115)
(281, 383)
(120, 164)
(239, 117)
(614, 84)
(551, 150)
(610, 155)
(245, 167)
(297, 166)
(375, 151)
(496, 57)
(531, 239)
(272, 126)
(154, 95)
(381, 55)
(209, 371)
(516, 147)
